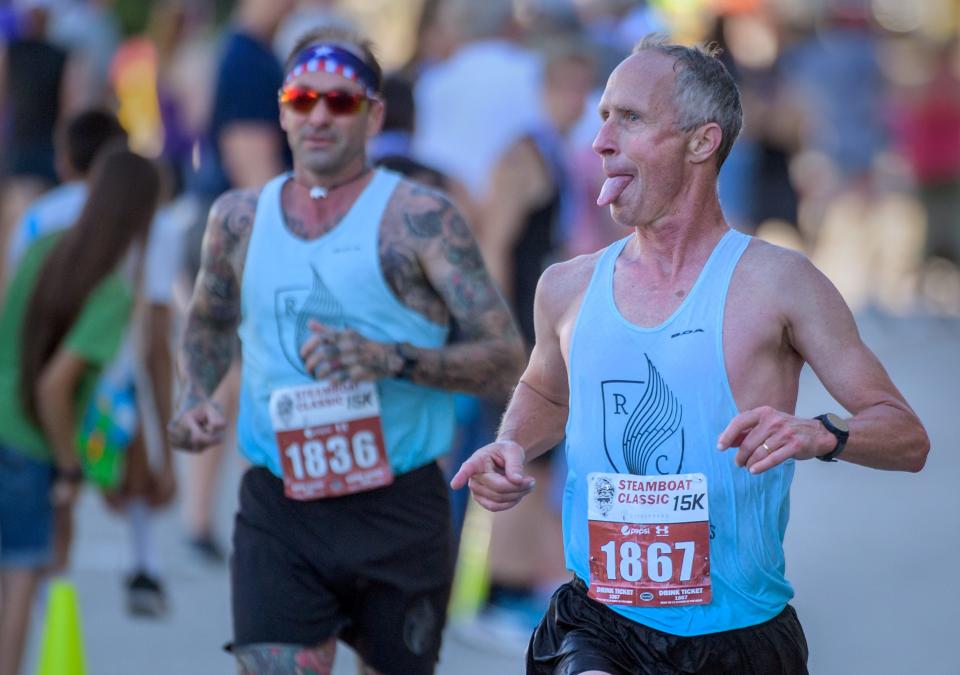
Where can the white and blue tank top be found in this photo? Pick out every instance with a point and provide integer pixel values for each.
(668, 385)
(335, 279)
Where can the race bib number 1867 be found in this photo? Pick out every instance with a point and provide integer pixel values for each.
(649, 539)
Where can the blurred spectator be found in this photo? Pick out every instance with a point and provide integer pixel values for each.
(308, 15)
(525, 212)
(735, 184)
(392, 148)
(36, 89)
(245, 143)
(473, 105)
(133, 75)
(140, 488)
(8, 23)
(930, 140)
(617, 25)
(837, 77)
(396, 137)
(185, 80)
(77, 142)
(435, 40)
(756, 190)
(89, 29)
(62, 320)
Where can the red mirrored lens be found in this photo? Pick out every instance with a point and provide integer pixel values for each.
(301, 100)
(342, 102)
(338, 102)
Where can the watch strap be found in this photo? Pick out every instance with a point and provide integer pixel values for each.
(410, 360)
(840, 435)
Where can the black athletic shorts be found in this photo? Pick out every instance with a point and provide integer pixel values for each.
(372, 568)
(580, 634)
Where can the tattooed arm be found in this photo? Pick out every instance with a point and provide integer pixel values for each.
(488, 356)
(208, 343)
(433, 265)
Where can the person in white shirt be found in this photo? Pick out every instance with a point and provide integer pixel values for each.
(472, 106)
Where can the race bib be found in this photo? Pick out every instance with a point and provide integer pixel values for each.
(330, 439)
(649, 539)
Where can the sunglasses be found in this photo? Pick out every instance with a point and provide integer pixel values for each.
(338, 102)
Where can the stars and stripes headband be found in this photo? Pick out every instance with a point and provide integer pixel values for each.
(332, 59)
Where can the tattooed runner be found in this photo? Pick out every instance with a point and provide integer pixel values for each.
(342, 282)
(682, 340)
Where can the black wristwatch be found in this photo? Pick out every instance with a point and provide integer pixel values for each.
(838, 427)
(410, 360)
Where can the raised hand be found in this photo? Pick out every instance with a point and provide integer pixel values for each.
(767, 437)
(495, 476)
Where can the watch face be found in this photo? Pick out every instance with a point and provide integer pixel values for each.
(838, 422)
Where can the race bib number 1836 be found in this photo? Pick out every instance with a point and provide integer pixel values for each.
(330, 439)
(649, 539)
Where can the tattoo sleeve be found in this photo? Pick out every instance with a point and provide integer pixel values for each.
(488, 355)
(208, 344)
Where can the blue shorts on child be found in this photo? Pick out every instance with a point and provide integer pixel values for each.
(26, 513)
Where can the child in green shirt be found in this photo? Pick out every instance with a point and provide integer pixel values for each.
(62, 319)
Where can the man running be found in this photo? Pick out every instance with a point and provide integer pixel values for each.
(342, 281)
(680, 341)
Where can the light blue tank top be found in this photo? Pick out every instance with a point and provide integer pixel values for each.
(679, 366)
(337, 280)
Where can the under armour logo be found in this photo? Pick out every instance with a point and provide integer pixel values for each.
(663, 530)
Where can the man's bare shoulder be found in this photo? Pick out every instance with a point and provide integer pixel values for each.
(235, 210)
(424, 217)
(229, 226)
(777, 265)
(413, 197)
(781, 277)
(563, 283)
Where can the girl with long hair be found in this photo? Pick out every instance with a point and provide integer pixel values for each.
(63, 318)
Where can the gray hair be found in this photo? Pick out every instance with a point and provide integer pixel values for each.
(704, 90)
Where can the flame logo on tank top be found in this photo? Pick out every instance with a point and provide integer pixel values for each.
(641, 419)
(295, 307)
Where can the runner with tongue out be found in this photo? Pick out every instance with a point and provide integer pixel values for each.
(653, 357)
(611, 189)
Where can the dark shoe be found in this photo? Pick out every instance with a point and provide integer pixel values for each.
(207, 549)
(145, 596)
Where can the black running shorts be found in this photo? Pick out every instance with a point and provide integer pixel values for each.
(580, 634)
(372, 568)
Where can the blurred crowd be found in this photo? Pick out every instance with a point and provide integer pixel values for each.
(850, 152)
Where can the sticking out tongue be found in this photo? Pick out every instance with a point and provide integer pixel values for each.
(612, 187)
